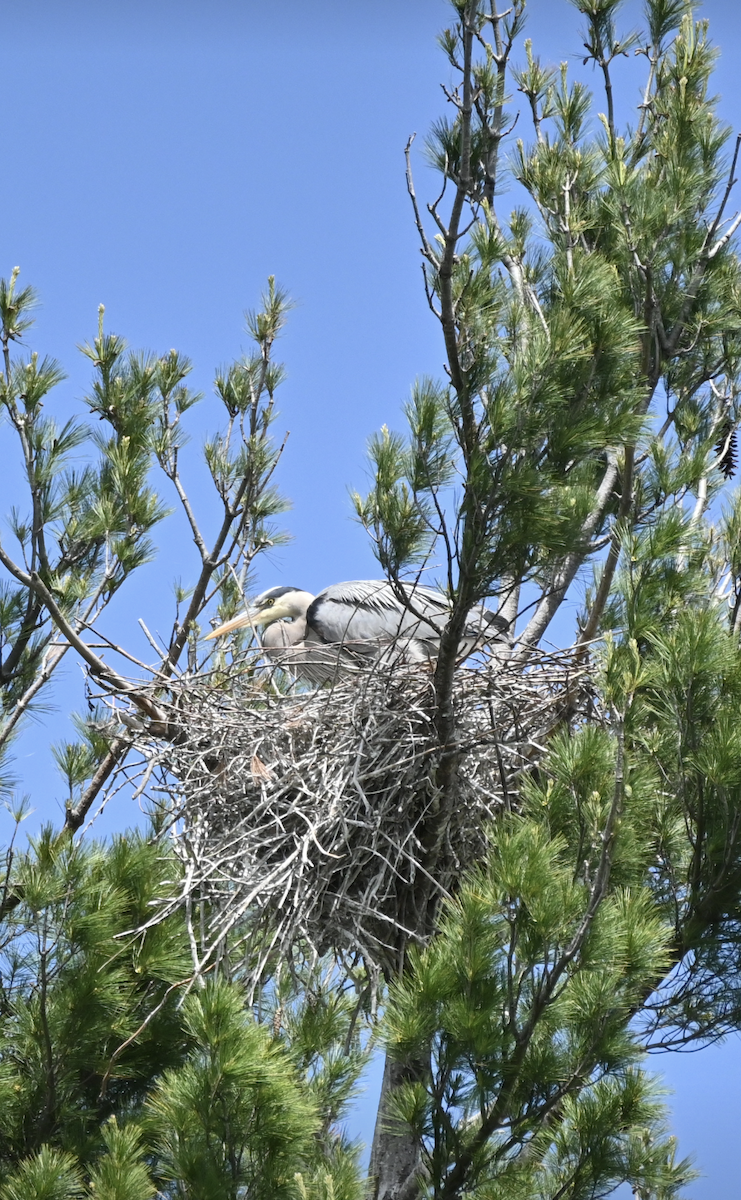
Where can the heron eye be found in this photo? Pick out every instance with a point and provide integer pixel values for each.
(269, 603)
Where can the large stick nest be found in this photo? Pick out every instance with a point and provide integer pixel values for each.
(317, 817)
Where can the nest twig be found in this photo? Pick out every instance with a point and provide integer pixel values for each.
(313, 818)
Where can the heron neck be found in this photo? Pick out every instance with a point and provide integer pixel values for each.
(284, 633)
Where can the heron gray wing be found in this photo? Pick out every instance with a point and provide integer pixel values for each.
(369, 611)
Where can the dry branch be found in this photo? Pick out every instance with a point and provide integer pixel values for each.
(312, 819)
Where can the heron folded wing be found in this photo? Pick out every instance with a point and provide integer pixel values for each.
(367, 610)
(380, 594)
(368, 614)
(313, 661)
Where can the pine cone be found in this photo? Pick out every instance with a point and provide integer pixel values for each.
(727, 448)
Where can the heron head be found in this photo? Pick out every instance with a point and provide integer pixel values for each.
(276, 604)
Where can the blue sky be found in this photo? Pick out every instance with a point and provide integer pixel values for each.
(163, 157)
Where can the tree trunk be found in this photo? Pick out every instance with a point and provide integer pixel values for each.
(395, 1158)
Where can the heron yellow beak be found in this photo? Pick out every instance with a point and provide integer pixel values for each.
(254, 617)
(250, 617)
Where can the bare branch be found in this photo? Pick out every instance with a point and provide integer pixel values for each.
(565, 573)
(190, 515)
(76, 813)
(427, 249)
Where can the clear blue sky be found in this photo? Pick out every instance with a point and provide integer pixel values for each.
(163, 157)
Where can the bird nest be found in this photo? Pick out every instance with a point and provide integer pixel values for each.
(317, 818)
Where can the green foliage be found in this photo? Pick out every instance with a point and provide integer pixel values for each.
(592, 344)
(592, 340)
(75, 990)
(325, 1029)
(612, 289)
(521, 1006)
(588, 413)
(605, 920)
(49, 1175)
(233, 1118)
(115, 1083)
(85, 526)
(121, 1172)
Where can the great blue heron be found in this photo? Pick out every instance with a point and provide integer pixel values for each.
(320, 637)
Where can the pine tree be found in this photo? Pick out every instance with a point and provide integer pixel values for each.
(587, 422)
(86, 529)
(120, 1077)
(588, 417)
(115, 1080)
